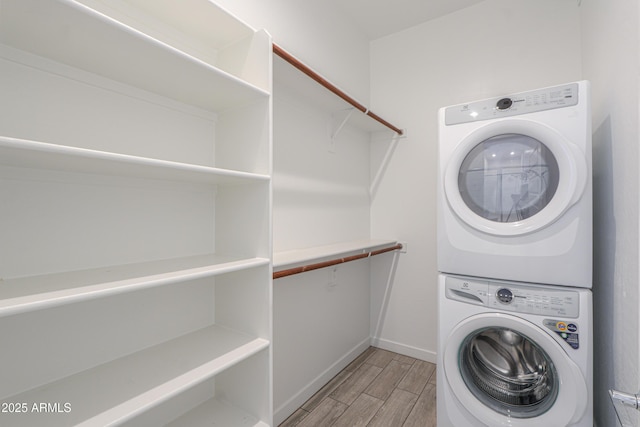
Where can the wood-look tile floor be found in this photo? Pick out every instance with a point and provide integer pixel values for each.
(378, 389)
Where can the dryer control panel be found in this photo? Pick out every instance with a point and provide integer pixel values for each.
(515, 297)
(520, 103)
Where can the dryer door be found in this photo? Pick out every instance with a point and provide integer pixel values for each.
(508, 372)
(514, 177)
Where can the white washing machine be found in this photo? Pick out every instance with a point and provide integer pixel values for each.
(513, 354)
(514, 190)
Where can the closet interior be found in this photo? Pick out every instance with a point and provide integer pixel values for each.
(136, 175)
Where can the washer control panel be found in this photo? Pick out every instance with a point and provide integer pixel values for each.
(521, 103)
(514, 297)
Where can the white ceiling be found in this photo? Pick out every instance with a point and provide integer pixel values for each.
(378, 18)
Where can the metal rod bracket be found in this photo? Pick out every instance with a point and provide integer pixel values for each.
(335, 131)
(622, 402)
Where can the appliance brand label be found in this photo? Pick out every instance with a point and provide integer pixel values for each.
(568, 331)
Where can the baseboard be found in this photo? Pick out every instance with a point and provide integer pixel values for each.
(290, 406)
(418, 353)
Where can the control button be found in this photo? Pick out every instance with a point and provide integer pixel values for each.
(504, 295)
(504, 104)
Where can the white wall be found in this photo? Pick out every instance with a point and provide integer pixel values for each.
(320, 321)
(318, 195)
(315, 34)
(495, 47)
(320, 185)
(610, 62)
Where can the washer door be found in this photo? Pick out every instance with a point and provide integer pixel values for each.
(506, 371)
(514, 177)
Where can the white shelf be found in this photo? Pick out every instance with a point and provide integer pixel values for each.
(41, 155)
(39, 292)
(193, 18)
(118, 391)
(298, 257)
(71, 33)
(216, 413)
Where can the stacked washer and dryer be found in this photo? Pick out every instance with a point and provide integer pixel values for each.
(515, 261)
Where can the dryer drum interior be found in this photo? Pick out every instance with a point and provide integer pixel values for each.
(508, 372)
(508, 178)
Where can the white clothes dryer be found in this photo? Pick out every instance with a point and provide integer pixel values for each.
(514, 190)
(513, 354)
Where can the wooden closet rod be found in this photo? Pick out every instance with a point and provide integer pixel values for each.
(331, 87)
(305, 268)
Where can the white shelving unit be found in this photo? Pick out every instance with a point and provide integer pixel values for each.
(135, 175)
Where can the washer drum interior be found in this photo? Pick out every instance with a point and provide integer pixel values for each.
(508, 372)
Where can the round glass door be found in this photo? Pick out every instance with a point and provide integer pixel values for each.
(508, 178)
(513, 177)
(505, 371)
(508, 372)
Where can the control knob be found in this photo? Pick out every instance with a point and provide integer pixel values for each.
(504, 295)
(504, 104)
